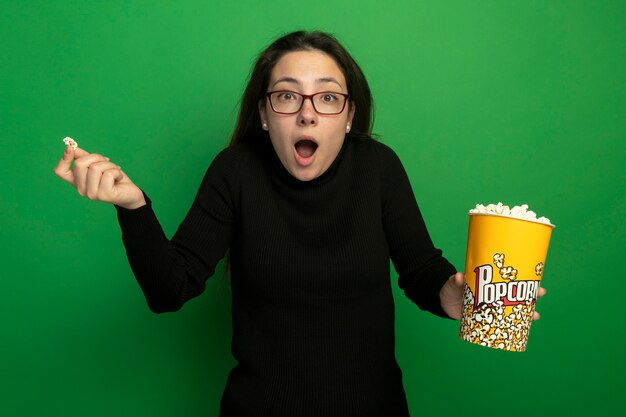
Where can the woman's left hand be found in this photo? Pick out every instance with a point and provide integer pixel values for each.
(451, 296)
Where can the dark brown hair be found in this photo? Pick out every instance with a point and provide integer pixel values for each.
(248, 122)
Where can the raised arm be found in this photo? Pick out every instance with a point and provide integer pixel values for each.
(170, 272)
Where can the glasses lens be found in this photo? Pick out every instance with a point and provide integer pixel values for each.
(328, 103)
(286, 101)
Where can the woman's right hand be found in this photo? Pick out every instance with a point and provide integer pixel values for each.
(96, 178)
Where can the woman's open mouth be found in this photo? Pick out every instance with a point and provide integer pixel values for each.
(305, 151)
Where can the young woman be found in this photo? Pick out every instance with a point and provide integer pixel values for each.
(310, 209)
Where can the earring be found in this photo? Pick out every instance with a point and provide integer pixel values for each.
(264, 125)
(348, 127)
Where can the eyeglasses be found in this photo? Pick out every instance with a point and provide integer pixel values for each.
(290, 102)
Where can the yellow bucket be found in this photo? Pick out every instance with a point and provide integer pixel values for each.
(504, 264)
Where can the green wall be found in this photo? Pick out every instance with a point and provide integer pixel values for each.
(484, 101)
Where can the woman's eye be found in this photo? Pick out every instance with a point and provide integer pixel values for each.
(286, 96)
(329, 98)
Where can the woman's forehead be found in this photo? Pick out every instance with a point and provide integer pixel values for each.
(307, 67)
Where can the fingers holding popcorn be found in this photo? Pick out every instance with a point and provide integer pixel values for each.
(95, 177)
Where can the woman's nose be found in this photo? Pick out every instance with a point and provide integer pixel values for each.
(307, 115)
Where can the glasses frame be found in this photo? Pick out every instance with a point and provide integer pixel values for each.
(309, 97)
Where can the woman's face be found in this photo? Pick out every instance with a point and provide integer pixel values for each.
(306, 142)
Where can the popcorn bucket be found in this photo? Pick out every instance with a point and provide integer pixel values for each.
(503, 269)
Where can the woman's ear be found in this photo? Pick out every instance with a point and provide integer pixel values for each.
(350, 116)
(263, 114)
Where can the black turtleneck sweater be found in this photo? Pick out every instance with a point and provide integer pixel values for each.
(312, 306)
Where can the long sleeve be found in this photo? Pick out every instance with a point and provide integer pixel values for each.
(421, 267)
(170, 272)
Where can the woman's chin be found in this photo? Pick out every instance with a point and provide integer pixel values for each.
(306, 173)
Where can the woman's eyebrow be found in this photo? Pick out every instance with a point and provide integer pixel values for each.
(286, 80)
(325, 80)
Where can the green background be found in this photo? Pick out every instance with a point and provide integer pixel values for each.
(484, 101)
